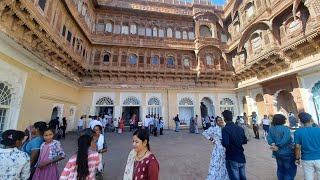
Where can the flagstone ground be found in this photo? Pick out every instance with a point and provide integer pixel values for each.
(181, 155)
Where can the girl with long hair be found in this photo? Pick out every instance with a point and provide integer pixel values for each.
(84, 164)
(141, 163)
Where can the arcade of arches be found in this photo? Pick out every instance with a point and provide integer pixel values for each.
(80, 58)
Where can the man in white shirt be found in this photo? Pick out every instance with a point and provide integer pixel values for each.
(265, 126)
(146, 123)
(95, 122)
(89, 121)
(80, 124)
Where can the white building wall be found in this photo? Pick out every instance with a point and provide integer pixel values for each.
(16, 79)
(307, 83)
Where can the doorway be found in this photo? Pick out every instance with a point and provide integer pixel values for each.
(103, 110)
(54, 113)
(185, 114)
(207, 108)
(286, 103)
(128, 112)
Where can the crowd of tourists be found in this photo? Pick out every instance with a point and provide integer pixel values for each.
(154, 123)
(35, 153)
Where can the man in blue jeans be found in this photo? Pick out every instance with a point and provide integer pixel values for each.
(233, 138)
(177, 121)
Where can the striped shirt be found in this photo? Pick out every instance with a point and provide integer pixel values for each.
(70, 170)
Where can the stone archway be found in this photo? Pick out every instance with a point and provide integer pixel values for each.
(54, 113)
(285, 103)
(186, 110)
(261, 106)
(206, 107)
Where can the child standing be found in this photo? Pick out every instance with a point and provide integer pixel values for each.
(50, 153)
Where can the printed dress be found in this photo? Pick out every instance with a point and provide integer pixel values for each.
(217, 167)
(146, 169)
(49, 151)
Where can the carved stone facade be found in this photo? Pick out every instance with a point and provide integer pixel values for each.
(172, 45)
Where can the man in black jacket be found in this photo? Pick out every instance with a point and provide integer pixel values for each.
(233, 138)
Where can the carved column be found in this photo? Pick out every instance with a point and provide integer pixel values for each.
(298, 99)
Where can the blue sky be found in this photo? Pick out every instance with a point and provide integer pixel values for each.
(217, 2)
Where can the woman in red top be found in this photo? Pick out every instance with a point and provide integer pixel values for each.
(141, 163)
(121, 125)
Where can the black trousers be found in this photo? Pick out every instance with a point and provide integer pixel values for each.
(131, 127)
(256, 130)
(155, 133)
(161, 131)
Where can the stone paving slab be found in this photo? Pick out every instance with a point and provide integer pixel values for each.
(181, 155)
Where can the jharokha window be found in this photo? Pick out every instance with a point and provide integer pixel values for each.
(109, 27)
(209, 59)
(205, 31)
(169, 33)
(155, 60)
(186, 62)
(133, 29)
(170, 61)
(133, 59)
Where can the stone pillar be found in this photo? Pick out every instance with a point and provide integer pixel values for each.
(117, 107)
(269, 103)
(298, 99)
(197, 109)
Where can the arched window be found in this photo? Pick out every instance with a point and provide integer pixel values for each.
(256, 41)
(142, 31)
(133, 59)
(205, 31)
(186, 62)
(129, 101)
(133, 29)
(161, 33)
(124, 29)
(209, 59)
(42, 4)
(5, 101)
(249, 10)
(184, 35)
(149, 32)
(186, 102)
(155, 60)
(178, 34)
(227, 104)
(237, 26)
(104, 101)
(154, 106)
(191, 35)
(109, 27)
(170, 61)
(169, 33)
(106, 58)
(84, 10)
(294, 25)
(155, 32)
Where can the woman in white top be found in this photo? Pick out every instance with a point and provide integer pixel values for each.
(100, 143)
(14, 163)
(265, 126)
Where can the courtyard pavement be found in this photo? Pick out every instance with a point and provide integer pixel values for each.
(181, 155)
